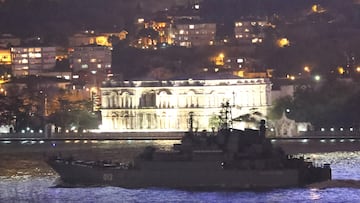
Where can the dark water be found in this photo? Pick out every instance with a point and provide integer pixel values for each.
(23, 185)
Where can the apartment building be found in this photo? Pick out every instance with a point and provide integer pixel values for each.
(194, 34)
(32, 60)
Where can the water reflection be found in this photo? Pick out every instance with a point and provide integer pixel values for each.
(314, 194)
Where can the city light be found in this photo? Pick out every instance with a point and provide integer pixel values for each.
(219, 60)
(283, 42)
(341, 70)
(317, 77)
(290, 77)
(358, 69)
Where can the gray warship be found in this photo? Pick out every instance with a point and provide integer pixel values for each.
(231, 159)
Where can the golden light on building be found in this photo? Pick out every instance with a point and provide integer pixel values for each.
(239, 73)
(5, 56)
(314, 8)
(358, 69)
(283, 42)
(219, 59)
(307, 69)
(341, 70)
(159, 25)
(103, 41)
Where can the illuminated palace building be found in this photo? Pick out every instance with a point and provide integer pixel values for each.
(165, 105)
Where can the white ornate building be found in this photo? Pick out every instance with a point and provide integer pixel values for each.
(165, 105)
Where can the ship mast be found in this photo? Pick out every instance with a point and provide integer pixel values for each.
(191, 121)
(225, 116)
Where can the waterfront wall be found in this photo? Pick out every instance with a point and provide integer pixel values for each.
(113, 135)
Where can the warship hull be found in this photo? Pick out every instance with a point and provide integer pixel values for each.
(184, 176)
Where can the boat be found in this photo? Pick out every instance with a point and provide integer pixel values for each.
(230, 159)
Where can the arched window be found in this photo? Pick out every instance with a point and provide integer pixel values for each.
(113, 100)
(164, 99)
(148, 99)
(126, 100)
(191, 99)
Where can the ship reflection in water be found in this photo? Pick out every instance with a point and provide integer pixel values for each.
(343, 188)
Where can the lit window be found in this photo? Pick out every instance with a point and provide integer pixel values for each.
(24, 55)
(92, 60)
(79, 60)
(34, 55)
(140, 20)
(181, 32)
(240, 60)
(191, 27)
(84, 66)
(255, 40)
(247, 30)
(99, 65)
(37, 49)
(24, 61)
(185, 44)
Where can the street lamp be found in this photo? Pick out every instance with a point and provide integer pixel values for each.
(358, 69)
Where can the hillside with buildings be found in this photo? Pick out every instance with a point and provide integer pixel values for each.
(91, 50)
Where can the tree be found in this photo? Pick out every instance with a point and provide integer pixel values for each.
(73, 112)
(279, 107)
(333, 104)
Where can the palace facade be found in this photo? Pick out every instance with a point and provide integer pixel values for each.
(165, 105)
